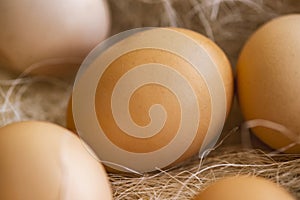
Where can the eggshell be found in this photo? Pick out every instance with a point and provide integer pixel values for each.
(268, 79)
(69, 118)
(152, 98)
(40, 160)
(51, 36)
(244, 187)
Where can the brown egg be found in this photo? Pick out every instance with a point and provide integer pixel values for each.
(153, 98)
(50, 37)
(244, 187)
(40, 160)
(268, 79)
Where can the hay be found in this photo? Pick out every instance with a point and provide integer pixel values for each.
(33, 98)
(190, 178)
(229, 23)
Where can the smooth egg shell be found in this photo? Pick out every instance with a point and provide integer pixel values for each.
(244, 187)
(141, 95)
(268, 79)
(40, 160)
(51, 36)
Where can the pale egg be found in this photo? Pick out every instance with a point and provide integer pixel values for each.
(50, 37)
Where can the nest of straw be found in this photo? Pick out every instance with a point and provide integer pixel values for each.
(188, 179)
(227, 22)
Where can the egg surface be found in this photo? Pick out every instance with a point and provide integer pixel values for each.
(151, 98)
(268, 79)
(40, 160)
(244, 187)
(50, 37)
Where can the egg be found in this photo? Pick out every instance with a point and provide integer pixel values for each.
(41, 160)
(244, 187)
(151, 98)
(69, 118)
(268, 79)
(50, 37)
